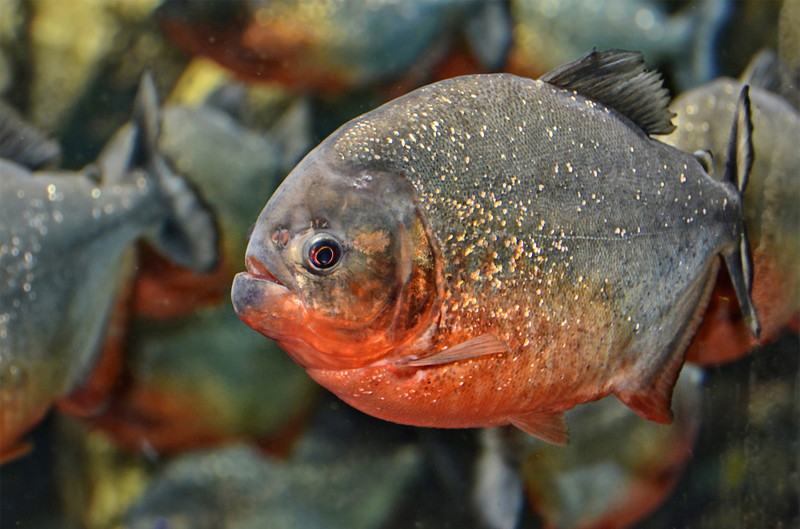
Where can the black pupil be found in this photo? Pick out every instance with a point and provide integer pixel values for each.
(325, 254)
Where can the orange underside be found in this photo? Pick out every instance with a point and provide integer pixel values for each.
(723, 336)
(481, 392)
(285, 55)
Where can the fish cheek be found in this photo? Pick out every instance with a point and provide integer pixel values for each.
(358, 294)
(422, 292)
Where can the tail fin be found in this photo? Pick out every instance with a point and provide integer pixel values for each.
(189, 236)
(737, 172)
(22, 143)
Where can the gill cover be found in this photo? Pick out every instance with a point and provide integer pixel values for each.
(355, 257)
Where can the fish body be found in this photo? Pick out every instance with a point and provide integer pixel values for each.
(63, 236)
(327, 47)
(771, 216)
(492, 249)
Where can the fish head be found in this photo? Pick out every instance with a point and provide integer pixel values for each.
(342, 269)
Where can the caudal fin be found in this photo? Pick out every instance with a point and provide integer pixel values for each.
(737, 172)
(189, 236)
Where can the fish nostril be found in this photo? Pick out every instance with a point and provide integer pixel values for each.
(281, 238)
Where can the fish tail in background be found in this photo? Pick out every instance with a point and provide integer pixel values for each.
(190, 235)
(699, 25)
(22, 143)
(769, 72)
(737, 172)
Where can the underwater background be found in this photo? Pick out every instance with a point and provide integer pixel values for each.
(184, 417)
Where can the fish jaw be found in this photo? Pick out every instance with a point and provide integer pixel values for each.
(266, 305)
(276, 312)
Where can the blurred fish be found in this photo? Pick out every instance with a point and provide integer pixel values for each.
(549, 32)
(498, 494)
(331, 481)
(192, 378)
(331, 45)
(617, 468)
(771, 214)
(789, 38)
(492, 249)
(23, 143)
(63, 236)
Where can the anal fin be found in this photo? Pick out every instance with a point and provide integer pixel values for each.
(650, 394)
(654, 402)
(482, 345)
(549, 427)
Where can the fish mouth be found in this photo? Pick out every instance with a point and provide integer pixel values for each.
(264, 302)
(257, 293)
(257, 270)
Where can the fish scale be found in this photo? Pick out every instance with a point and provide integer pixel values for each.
(570, 254)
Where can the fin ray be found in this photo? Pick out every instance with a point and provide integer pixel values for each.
(549, 427)
(618, 80)
(482, 345)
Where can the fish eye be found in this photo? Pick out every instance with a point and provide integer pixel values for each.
(323, 253)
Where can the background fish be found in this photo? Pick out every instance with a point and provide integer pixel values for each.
(466, 255)
(194, 379)
(62, 240)
(548, 33)
(22, 143)
(330, 46)
(599, 482)
(771, 215)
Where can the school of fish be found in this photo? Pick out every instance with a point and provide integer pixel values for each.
(493, 250)
(63, 241)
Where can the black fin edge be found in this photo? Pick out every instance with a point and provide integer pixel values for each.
(618, 79)
(737, 172)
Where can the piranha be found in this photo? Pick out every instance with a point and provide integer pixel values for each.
(493, 249)
(63, 238)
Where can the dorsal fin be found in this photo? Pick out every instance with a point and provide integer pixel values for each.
(618, 79)
(22, 143)
(765, 70)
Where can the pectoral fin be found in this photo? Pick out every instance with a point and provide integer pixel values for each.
(548, 427)
(482, 345)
